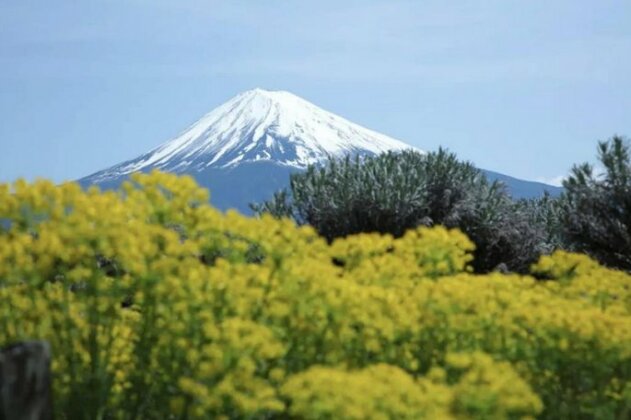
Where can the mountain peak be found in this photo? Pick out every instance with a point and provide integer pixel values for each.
(272, 94)
(259, 125)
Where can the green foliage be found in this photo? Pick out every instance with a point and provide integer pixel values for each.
(394, 192)
(596, 215)
(545, 213)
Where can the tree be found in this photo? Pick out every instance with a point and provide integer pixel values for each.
(393, 192)
(597, 207)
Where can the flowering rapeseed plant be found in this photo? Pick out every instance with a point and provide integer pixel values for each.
(157, 305)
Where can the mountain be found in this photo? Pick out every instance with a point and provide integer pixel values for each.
(245, 149)
(523, 189)
(254, 126)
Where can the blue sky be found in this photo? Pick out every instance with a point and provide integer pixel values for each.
(521, 87)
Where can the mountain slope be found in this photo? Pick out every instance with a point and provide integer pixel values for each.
(259, 125)
(523, 189)
(245, 149)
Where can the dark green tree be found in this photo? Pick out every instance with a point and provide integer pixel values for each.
(596, 215)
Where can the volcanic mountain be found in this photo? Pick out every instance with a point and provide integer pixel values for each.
(245, 149)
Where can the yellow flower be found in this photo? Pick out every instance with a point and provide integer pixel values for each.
(152, 298)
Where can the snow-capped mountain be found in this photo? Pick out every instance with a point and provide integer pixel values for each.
(245, 149)
(259, 125)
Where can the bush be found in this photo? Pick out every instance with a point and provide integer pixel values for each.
(474, 387)
(394, 192)
(544, 214)
(597, 207)
(158, 306)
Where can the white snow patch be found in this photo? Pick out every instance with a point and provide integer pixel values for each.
(262, 120)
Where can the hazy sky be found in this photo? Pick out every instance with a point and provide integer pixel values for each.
(521, 87)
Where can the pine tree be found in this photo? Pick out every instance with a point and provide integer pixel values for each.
(597, 207)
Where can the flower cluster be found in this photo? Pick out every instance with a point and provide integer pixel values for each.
(154, 301)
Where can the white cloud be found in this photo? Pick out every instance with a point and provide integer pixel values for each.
(557, 181)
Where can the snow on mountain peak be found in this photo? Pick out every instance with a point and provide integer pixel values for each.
(256, 125)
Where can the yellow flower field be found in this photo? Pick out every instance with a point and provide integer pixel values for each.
(156, 305)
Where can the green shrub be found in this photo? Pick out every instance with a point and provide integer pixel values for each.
(394, 192)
